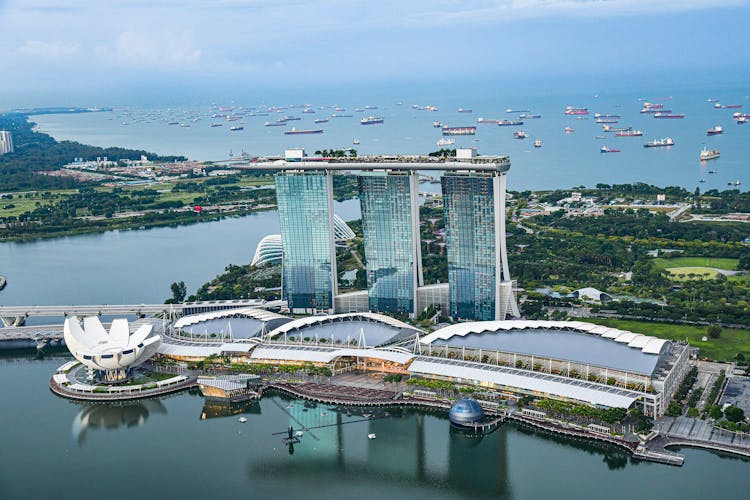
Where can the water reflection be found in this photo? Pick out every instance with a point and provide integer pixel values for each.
(114, 416)
(214, 409)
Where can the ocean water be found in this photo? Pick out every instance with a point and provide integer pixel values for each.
(565, 159)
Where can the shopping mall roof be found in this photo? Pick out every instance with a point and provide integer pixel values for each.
(534, 382)
(565, 340)
(245, 312)
(377, 329)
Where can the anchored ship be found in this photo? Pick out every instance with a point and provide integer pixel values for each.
(371, 120)
(657, 143)
(294, 131)
(459, 130)
(709, 154)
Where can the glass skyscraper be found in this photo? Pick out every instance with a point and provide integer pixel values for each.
(306, 221)
(390, 223)
(470, 233)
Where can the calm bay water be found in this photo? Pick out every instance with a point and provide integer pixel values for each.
(565, 160)
(162, 448)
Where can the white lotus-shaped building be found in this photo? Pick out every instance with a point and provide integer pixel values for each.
(112, 353)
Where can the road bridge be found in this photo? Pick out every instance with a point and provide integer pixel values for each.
(14, 316)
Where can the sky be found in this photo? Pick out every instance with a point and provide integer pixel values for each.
(87, 52)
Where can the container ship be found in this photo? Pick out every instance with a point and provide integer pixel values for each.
(570, 110)
(668, 115)
(709, 154)
(509, 123)
(294, 131)
(629, 133)
(371, 120)
(459, 130)
(659, 143)
(715, 131)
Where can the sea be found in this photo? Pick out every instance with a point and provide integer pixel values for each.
(565, 160)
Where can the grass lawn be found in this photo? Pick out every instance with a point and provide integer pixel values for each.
(718, 263)
(725, 348)
(682, 273)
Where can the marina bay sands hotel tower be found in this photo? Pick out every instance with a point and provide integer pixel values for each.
(473, 188)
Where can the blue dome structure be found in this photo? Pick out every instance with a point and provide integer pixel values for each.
(464, 412)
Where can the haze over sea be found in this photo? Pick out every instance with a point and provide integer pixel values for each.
(565, 159)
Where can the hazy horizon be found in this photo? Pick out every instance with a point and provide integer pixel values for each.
(151, 51)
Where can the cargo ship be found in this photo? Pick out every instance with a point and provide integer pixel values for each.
(371, 107)
(608, 128)
(321, 120)
(656, 110)
(487, 120)
(510, 110)
(308, 111)
(509, 123)
(629, 133)
(459, 130)
(294, 131)
(605, 149)
(462, 110)
(336, 115)
(235, 128)
(524, 116)
(570, 110)
(217, 124)
(715, 131)
(727, 106)
(606, 120)
(279, 123)
(371, 120)
(599, 115)
(668, 115)
(709, 154)
(659, 143)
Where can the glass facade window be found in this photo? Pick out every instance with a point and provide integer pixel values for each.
(306, 224)
(468, 201)
(386, 202)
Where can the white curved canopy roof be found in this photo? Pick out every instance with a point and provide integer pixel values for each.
(301, 323)
(648, 344)
(317, 354)
(97, 349)
(268, 251)
(247, 312)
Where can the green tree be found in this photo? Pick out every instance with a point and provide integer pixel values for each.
(734, 414)
(179, 292)
(714, 331)
(715, 412)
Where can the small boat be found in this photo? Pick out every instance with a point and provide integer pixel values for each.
(299, 434)
(355, 141)
(742, 119)
(462, 110)
(605, 149)
(601, 137)
(712, 171)
(715, 131)
(656, 143)
(235, 128)
(185, 125)
(709, 154)
(712, 100)
(371, 436)
(437, 124)
(537, 143)
(569, 130)
(367, 415)
(217, 124)
(520, 135)
(702, 181)
(735, 183)
(242, 420)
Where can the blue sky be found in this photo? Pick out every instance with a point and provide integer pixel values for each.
(68, 51)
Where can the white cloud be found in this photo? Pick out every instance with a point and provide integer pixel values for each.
(494, 11)
(48, 50)
(166, 49)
